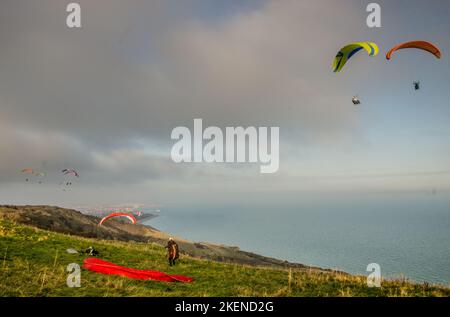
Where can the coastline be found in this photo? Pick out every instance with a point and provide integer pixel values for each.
(73, 222)
(76, 223)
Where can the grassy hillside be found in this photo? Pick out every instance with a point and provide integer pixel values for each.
(33, 263)
(69, 221)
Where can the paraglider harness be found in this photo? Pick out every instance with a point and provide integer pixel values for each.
(173, 252)
(91, 251)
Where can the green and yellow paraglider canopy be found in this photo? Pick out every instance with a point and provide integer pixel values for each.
(350, 50)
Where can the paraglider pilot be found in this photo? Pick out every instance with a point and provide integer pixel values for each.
(417, 85)
(172, 251)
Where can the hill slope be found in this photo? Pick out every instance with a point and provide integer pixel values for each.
(75, 223)
(33, 263)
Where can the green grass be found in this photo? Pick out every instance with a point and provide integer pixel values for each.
(33, 263)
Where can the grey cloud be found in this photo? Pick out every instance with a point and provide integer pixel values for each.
(137, 69)
(261, 67)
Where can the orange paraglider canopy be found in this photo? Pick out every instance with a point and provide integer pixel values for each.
(422, 45)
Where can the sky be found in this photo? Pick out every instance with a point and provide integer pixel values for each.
(103, 99)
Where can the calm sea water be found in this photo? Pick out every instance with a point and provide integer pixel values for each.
(407, 237)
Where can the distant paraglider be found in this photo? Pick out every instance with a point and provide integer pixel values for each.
(350, 50)
(34, 176)
(70, 172)
(129, 216)
(28, 171)
(356, 100)
(416, 85)
(40, 175)
(32, 173)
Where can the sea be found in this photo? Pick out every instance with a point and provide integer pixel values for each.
(408, 237)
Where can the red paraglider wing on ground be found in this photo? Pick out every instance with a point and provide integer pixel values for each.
(119, 214)
(422, 45)
(108, 268)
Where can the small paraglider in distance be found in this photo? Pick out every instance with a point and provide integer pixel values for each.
(28, 171)
(31, 172)
(416, 85)
(355, 100)
(119, 214)
(70, 172)
(40, 175)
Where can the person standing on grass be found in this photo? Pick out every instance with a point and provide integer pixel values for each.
(172, 251)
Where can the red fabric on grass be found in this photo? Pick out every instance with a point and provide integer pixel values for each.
(103, 267)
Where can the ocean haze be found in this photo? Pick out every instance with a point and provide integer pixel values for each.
(408, 238)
